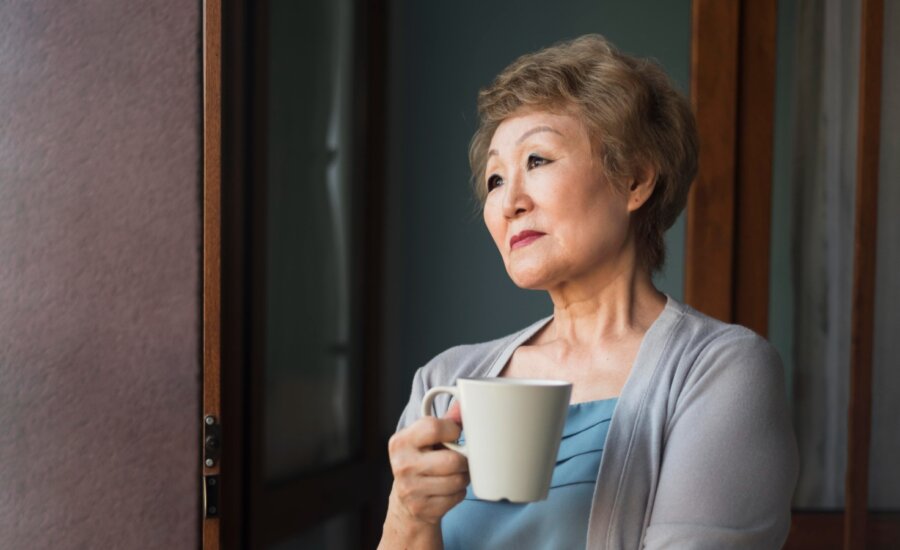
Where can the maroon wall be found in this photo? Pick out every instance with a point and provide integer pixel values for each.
(99, 273)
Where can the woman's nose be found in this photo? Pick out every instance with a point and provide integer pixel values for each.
(516, 199)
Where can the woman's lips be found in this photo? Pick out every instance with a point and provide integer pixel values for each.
(524, 239)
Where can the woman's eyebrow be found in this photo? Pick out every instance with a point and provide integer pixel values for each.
(536, 130)
(524, 136)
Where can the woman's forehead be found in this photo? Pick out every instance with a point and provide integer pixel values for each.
(518, 127)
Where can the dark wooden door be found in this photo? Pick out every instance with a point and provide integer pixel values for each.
(298, 219)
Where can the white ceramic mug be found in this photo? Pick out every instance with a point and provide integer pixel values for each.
(513, 428)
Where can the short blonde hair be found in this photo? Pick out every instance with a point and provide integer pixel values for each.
(633, 112)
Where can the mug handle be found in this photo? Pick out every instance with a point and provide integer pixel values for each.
(426, 411)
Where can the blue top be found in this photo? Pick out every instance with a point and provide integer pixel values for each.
(561, 521)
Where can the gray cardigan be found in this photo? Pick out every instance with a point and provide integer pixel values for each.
(700, 451)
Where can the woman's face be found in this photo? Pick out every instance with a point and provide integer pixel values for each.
(551, 212)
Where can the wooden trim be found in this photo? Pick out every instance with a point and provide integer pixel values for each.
(883, 531)
(710, 213)
(212, 119)
(755, 134)
(862, 317)
(825, 531)
(815, 531)
(729, 208)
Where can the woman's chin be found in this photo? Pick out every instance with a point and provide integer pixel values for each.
(529, 280)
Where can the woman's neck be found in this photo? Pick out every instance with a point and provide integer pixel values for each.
(603, 309)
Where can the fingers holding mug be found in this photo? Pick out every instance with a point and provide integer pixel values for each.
(453, 414)
(427, 482)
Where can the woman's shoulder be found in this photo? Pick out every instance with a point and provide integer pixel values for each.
(711, 333)
(705, 343)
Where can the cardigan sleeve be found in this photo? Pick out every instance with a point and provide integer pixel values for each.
(412, 411)
(729, 463)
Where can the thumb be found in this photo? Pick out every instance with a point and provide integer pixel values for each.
(454, 413)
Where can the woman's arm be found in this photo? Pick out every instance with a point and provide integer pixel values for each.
(729, 464)
(427, 484)
(428, 479)
(403, 533)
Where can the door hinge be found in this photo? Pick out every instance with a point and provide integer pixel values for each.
(212, 441)
(212, 449)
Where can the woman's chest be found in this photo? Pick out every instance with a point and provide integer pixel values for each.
(593, 375)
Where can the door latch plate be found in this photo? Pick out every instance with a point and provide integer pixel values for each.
(210, 496)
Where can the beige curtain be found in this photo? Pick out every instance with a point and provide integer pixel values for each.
(824, 166)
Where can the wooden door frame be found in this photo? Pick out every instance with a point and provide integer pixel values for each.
(729, 208)
(212, 195)
(728, 220)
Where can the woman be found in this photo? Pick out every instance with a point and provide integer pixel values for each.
(583, 159)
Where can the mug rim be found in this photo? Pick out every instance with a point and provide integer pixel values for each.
(523, 382)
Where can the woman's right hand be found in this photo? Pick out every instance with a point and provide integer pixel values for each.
(429, 479)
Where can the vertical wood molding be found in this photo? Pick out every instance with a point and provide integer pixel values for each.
(755, 134)
(729, 209)
(212, 123)
(709, 255)
(862, 317)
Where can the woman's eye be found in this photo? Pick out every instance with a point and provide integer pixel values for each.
(534, 161)
(493, 181)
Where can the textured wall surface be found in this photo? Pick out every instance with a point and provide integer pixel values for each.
(99, 281)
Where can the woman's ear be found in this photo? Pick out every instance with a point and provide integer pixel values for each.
(641, 187)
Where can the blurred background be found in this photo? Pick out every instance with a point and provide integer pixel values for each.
(348, 250)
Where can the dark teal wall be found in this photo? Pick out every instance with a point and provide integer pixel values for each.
(781, 290)
(446, 282)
